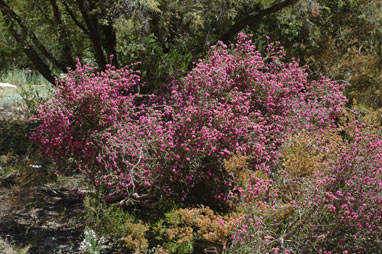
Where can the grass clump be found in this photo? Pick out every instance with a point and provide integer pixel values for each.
(32, 90)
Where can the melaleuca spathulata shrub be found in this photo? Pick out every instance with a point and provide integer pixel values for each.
(175, 143)
(329, 202)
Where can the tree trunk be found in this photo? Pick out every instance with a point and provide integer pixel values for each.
(73, 17)
(110, 43)
(9, 13)
(63, 36)
(31, 52)
(92, 27)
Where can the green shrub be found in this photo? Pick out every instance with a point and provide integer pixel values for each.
(117, 225)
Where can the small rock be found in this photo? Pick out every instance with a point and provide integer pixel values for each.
(8, 85)
(37, 213)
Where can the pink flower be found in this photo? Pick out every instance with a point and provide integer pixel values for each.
(332, 208)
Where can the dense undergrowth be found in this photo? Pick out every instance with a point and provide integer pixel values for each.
(246, 151)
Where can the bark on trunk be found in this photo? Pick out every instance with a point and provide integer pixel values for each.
(92, 27)
(73, 17)
(110, 43)
(63, 36)
(9, 13)
(31, 53)
(29, 50)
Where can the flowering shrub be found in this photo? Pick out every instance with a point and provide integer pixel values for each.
(240, 128)
(175, 143)
(239, 102)
(337, 208)
(85, 103)
(80, 123)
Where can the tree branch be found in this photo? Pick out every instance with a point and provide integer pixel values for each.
(63, 36)
(91, 23)
(29, 51)
(110, 42)
(254, 17)
(10, 14)
(73, 17)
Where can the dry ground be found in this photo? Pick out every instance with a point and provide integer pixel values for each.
(49, 222)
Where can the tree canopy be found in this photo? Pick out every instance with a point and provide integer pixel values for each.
(337, 38)
(105, 28)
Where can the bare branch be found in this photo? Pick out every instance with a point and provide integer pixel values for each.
(73, 17)
(29, 51)
(63, 35)
(254, 17)
(10, 14)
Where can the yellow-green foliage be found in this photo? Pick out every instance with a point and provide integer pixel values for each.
(181, 227)
(117, 224)
(359, 68)
(135, 239)
(301, 156)
(371, 117)
(210, 226)
(237, 166)
(173, 235)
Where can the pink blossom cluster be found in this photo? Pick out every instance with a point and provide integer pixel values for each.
(235, 102)
(336, 210)
(99, 123)
(174, 143)
(239, 102)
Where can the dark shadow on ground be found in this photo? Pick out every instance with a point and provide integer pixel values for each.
(54, 224)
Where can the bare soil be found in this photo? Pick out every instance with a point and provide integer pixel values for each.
(50, 223)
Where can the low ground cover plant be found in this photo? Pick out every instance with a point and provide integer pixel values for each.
(242, 132)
